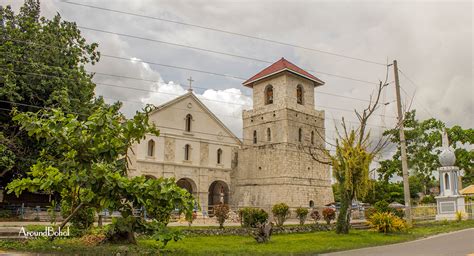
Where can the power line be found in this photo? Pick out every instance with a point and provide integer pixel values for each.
(244, 57)
(227, 32)
(154, 81)
(415, 86)
(151, 91)
(218, 52)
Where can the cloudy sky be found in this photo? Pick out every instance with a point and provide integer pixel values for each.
(432, 41)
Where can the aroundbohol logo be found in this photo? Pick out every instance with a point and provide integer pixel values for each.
(48, 232)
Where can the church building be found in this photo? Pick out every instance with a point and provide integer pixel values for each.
(270, 165)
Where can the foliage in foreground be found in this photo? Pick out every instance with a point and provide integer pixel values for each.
(42, 65)
(386, 222)
(281, 212)
(86, 161)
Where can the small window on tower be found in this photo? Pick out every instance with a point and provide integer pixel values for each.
(300, 135)
(269, 94)
(254, 137)
(299, 94)
(269, 134)
(312, 137)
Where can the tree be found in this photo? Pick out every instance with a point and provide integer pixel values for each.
(423, 138)
(381, 190)
(350, 164)
(86, 161)
(41, 64)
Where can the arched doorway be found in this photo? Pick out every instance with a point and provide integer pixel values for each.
(218, 193)
(187, 184)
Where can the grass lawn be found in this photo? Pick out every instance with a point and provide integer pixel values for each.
(307, 243)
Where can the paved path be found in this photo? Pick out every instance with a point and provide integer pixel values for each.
(451, 244)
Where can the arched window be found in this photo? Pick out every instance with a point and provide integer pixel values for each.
(219, 156)
(151, 148)
(189, 118)
(269, 134)
(300, 135)
(187, 152)
(446, 181)
(269, 94)
(299, 94)
(311, 203)
(312, 137)
(254, 137)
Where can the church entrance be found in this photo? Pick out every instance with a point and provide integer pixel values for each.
(218, 193)
(187, 184)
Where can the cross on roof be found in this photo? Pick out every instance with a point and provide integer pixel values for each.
(190, 79)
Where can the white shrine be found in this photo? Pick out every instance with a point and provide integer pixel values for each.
(449, 201)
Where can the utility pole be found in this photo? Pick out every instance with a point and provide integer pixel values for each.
(403, 147)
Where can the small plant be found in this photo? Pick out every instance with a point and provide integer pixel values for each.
(94, 237)
(329, 214)
(164, 235)
(221, 211)
(385, 222)
(301, 213)
(263, 232)
(250, 217)
(315, 216)
(281, 212)
(459, 216)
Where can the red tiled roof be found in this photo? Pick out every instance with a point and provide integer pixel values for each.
(280, 66)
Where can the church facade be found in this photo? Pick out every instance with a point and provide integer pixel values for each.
(269, 165)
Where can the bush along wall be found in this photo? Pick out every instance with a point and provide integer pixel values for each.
(241, 231)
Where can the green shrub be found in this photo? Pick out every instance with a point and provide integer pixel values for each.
(281, 212)
(385, 222)
(459, 216)
(428, 200)
(83, 219)
(250, 217)
(329, 214)
(383, 206)
(301, 213)
(315, 216)
(221, 211)
(369, 212)
(5, 214)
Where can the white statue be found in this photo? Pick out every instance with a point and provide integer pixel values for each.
(446, 157)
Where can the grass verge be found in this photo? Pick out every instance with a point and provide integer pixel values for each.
(308, 243)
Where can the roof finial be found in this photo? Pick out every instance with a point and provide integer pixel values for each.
(190, 79)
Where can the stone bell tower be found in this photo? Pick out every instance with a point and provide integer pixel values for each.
(273, 166)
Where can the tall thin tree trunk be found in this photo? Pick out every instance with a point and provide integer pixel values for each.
(343, 219)
(68, 218)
